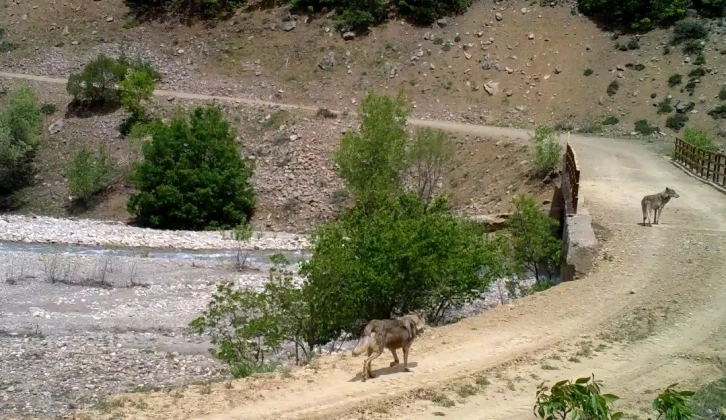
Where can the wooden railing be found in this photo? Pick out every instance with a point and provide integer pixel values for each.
(706, 164)
(571, 179)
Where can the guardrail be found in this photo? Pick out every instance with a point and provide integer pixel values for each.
(704, 163)
(571, 181)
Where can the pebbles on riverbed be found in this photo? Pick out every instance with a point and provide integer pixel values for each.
(41, 229)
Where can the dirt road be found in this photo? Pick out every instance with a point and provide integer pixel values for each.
(650, 314)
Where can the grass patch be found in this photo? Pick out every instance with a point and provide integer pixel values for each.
(482, 381)
(645, 128)
(692, 47)
(633, 44)
(7, 46)
(439, 414)
(442, 400)
(573, 359)
(611, 120)
(588, 72)
(243, 370)
(676, 122)
(722, 94)
(709, 402)
(689, 29)
(675, 79)
(613, 88)
(547, 366)
(700, 59)
(700, 139)
(467, 391)
(48, 109)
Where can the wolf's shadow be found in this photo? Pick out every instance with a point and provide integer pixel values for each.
(383, 371)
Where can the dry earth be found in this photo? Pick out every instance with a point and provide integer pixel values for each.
(651, 314)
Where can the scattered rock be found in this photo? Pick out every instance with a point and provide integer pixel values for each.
(429, 36)
(349, 35)
(109, 19)
(498, 16)
(509, 92)
(288, 25)
(530, 36)
(492, 88)
(684, 106)
(328, 61)
(442, 22)
(56, 127)
(486, 63)
(558, 69)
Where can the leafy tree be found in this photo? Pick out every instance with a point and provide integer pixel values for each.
(547, 149)
(89, 174)
(20, 128)
(402, 257)
(192, 175)
(635, 14)
(373, 161)
(138, 86)
(534, 247)
(202, 8)
(673, 405)
(579, 400)
(429, 154)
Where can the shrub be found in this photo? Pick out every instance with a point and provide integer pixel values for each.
(673, 405)
(588, 72)
(427, 11)
(676, 122)
(381, 144)
(88, 174)
(20, 129)
(708, 401)
(675, 79)
(666, 50)
(202, 8)
(700, 59)
(653, 95)
(722, 94)
(401, 256)
(192, 175)
(613, 88)
(611, 120)
(535, 248)
(692, 47)
(429, 154)
(97, 83)
(633, 44)
(697, 72)
(699, 138)
(631, 14)
(690, 87)
(665, 107)
(689, 29)
(138, 86)
(581, 399)
(643, 127)
(547, 149)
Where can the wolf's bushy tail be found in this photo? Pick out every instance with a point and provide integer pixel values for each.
(363, 344)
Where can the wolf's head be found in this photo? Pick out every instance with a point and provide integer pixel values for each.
(419, 320)
(671, 193)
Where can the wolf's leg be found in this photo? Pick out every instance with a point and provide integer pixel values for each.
(656, 215)
(405, 358)
(395, 358)
(368, 364)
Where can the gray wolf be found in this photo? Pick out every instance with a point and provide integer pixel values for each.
(391, 334)
(654, 203)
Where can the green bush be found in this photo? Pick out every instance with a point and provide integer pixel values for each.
(89, 174)
(689, 29)
(48, 109)
(722, 94)
(700, 59)
(20, 129)
(699, 138)
(674, 80)
(692, 47)
(633, 44)
(192, 175)
(427, 11)
(665, 107)
(547, 149)
(645, 128)
(673, 405)
(98, 84)
(581, 399)
(676, 122)
(202, 8)
(588, 72)
(535, 248)
(613, 88)
(697, 72)
(611, 120)
(138, 86)
(635, 14)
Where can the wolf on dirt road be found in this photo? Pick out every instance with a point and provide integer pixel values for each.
(391, 334)
(654, 203)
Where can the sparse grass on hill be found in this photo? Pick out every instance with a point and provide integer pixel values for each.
(645, 128)
(676, 122)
